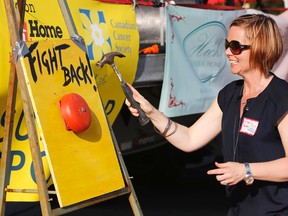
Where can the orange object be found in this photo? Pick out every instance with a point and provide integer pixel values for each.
(75, 112)
(150, 50)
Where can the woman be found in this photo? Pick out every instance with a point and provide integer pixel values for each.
(251, 115)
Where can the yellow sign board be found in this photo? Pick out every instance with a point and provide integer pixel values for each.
(83, 165)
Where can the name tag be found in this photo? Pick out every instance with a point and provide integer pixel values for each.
(249, 126)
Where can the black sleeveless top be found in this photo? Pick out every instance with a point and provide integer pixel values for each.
(254, 137)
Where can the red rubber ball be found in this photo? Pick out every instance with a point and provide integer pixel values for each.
(75, 112)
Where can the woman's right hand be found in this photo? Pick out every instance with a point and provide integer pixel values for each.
(144, 104)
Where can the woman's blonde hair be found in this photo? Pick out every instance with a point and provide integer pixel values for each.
(266, 41)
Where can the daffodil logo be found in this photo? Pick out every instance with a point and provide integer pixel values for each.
(96, 33)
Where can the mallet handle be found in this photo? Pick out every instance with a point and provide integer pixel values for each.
(143, 119)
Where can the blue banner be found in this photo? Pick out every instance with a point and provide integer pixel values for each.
(195, 67)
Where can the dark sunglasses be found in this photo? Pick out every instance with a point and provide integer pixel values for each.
(235, 47)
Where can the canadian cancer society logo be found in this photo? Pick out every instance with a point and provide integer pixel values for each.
(96, 33)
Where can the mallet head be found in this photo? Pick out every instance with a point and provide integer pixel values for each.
(108, 58)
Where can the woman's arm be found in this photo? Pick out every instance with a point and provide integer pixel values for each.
(230, 173)
(185, 138)
(276, 170)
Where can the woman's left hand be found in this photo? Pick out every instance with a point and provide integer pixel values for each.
(229, 173)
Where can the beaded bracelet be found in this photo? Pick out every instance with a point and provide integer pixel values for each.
(166, 128)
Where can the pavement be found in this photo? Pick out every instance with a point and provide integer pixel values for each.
(167, 182)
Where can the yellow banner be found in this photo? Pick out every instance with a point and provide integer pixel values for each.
(36, 27)
(108, 27)
(43, 20)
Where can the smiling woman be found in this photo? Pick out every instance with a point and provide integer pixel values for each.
(244, 129)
